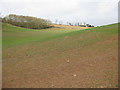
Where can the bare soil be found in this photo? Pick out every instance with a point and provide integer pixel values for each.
(41, 66)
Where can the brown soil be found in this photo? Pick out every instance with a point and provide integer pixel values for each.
(32, 66)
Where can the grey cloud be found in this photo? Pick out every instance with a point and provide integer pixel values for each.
(96, 12)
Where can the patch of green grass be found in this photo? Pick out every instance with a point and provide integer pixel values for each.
(13, 35)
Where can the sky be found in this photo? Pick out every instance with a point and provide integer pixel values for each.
(94, 12)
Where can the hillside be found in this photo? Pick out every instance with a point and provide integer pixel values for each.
(60, 57)
(16, 35)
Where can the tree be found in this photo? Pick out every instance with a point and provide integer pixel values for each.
(27, 21)
(56, 21)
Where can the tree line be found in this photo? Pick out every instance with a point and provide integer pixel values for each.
(27, 21)
(36, 23)
(74, 24)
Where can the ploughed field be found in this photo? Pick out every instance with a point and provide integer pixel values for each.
(60, 57)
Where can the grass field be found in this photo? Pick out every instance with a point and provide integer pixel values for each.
(64, 56)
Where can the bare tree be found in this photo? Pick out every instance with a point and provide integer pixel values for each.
(56, 21)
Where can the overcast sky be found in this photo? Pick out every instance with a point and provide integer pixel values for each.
(95, 12)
